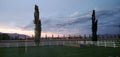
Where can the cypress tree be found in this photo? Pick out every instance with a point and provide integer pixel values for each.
(94, 26)
(37, 23)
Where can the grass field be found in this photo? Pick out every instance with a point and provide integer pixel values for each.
(60, 51)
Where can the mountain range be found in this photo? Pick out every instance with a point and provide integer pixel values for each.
(14, 35)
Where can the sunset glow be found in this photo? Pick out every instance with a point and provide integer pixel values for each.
(68, 17)
(26, 32)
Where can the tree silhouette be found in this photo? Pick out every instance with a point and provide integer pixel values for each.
(94, 26)
(4, 36)
(37, 23)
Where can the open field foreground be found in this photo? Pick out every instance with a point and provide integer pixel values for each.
(60, 51)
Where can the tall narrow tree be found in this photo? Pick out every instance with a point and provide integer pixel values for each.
(94, 26)
(37, 23)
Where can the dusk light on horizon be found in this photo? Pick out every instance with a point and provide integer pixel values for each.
(59, 28)
(60, 17)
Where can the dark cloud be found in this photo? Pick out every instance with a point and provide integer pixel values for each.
(108, 23)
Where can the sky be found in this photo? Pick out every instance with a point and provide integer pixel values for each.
(59, 16)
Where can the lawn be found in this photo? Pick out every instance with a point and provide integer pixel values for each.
(60, 51)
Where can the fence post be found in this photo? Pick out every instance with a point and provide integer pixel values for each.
(49, 43)
(25, 45)
(63, 42)
(17, 44)
(75, 42)
(105, 43)
(97, 43)
(34, 44)
(114, 44)
(8, 45)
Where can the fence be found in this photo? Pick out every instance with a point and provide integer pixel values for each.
(59, 42)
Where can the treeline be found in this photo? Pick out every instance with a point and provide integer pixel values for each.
(5, 36)
(105, 36)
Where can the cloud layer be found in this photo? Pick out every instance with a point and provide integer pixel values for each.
(76, 23)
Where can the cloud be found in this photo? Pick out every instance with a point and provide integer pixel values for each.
(75, 14)
(76, 23)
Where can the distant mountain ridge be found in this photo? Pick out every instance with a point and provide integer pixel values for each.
(14, 35)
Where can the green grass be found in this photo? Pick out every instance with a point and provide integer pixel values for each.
(59, 51)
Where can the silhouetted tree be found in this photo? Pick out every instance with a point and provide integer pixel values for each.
(94, 26)
(69, 36)
(37, 23)
(63, 36)
(58, 36)
(0, 36)
(52, 36)
(16, 37)
(45, 35)
(4, 37)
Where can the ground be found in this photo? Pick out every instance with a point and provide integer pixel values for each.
(60, 51)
